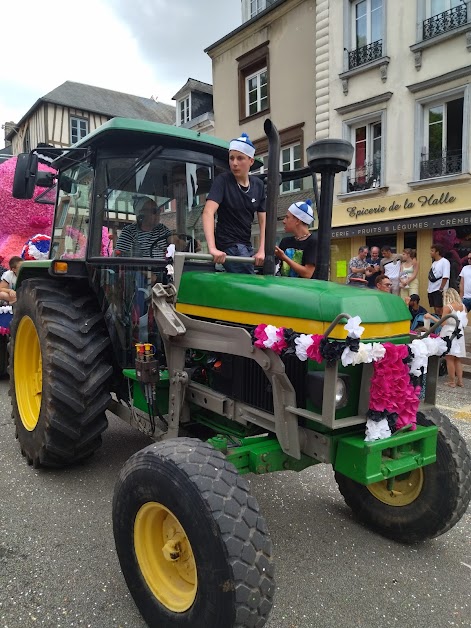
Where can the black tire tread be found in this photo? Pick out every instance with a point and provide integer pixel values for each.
(462, 465)
(76, 371)
(236, 514)
(456, 463)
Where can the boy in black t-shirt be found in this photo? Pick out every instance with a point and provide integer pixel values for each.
(235, 196)
(297, 253)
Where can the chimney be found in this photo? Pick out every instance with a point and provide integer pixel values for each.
(8, 126)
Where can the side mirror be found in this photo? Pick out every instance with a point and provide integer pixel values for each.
(25, 176)
(45, 179)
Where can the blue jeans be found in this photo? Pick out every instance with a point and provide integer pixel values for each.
(239, 250)
(467, 303)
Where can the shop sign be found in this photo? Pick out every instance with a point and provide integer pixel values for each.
(444, 221)
(402, 206)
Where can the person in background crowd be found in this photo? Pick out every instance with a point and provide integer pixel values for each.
(465, 283)
(8, 280)
(417, 311)
(235, 196)
(408, 280)
(374, 269)
(297, 253)
(438, 278)
(452, 304)
(383, 283)
(357, 268)
(391, 266)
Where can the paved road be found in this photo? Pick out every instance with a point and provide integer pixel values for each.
(58, 566)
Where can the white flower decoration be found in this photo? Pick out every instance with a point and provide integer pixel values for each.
(270, 331)
(377, 429)
(170, 251)
(347, 356)
(435, 346)
(377, 351)
(353, 328)
(363, 355)
(420, 359)
(303, 342)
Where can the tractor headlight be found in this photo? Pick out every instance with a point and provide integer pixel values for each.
(341, 396)
(315, 389)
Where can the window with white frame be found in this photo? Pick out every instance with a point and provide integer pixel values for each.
(78, 129)
(256, 92)
(435, 7)
(367, 164)
(251, 8)
(264, 167)
(184, 111)
(443, 16)
(442, 150)
(290, 160)
(366, 33)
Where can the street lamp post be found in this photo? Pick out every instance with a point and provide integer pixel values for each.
(327, 157)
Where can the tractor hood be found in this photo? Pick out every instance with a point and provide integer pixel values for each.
(305, 305)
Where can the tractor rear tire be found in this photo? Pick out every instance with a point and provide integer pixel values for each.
(182, 495)
(431, 499)
(59, 372)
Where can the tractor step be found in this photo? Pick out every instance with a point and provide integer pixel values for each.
(369, 462)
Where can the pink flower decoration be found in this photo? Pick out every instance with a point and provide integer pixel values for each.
(20, 218)
(281, 343)
(259, 333)
(391, 390)
(313, 351)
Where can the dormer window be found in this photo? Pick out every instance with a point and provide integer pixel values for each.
(251, 8)
(184, 111)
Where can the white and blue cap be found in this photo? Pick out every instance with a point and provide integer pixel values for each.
(243, 145)
(303, 211)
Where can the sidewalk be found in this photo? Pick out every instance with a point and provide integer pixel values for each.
(467, 359)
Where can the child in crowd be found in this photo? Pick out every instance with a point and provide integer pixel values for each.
(8, 281)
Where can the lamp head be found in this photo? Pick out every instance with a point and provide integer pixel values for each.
(329, 155)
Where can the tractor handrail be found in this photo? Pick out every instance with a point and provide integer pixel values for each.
(335, 322)
(439, 324)
(179, 262)
(209, 258)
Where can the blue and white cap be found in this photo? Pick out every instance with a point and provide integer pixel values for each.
(243, 145)
(303, 211)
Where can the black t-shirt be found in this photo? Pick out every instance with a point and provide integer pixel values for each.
(236, 208)
(414, 313)
(372, 278)
(301, 251)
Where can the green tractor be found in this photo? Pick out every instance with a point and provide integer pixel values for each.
(177, 350)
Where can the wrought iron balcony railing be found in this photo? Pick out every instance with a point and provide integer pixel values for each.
(446, 21)
(363, 55)
(366, 177)
(439, 165)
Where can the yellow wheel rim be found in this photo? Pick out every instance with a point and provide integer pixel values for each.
(165, 557)
(28, 373)
(405, 489)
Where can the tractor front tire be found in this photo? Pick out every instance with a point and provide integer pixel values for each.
(424, 503)
(192, 545)
(59, 372)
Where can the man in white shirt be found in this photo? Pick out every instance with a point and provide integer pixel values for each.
(465, 284)
(438, 278)
(391, 266)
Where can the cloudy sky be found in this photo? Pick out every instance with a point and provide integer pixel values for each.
(143, 47)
